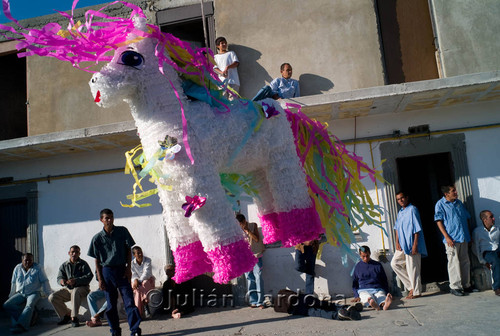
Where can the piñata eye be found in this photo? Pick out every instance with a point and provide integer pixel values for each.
(132, 58)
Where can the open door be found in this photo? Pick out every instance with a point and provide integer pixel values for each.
(421, 177)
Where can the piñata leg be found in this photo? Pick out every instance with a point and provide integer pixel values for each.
(295, 211)
(216, 226)
(265, 204)
(189, 257)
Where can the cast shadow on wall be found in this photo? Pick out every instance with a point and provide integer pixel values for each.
(311, 84)
(253, 76)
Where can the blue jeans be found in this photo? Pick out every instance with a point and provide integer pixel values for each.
(93, 300)
(115, 280)
(255, 284)
(305, 263)
(21, 307)
(493, 258)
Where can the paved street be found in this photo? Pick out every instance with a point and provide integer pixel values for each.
(438, 314)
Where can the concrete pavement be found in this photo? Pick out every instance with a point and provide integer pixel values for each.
(436, 314)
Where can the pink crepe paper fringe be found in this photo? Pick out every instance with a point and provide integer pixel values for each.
(299, 225)
(231, 261)
(190, 261)
(270, 228)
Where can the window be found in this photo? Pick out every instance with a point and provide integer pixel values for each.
(13, 108)
(407, 40)
(186, 23)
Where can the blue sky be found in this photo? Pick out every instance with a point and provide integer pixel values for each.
(24, 9)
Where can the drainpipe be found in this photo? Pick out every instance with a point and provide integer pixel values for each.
(383, 252)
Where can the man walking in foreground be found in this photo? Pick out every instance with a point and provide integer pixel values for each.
(111, 249)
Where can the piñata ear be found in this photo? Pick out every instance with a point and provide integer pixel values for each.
(140, 23)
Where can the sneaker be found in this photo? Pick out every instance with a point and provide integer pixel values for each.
(497, 291)
(469, 289)
(17, 329)
(457, 292)
(343, 314)
(358, 306)
(65, 320)
(117, 332)
(75, 323)
(136, 333)
(354, 313)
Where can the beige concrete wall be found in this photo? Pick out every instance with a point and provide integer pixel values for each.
(332, 45)
(468, 35)
(59, 98)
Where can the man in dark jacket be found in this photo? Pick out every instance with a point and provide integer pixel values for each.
(75, 276)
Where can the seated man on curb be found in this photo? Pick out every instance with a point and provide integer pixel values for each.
(75, 276)
(487, 243)
(28, 279)
(369, 282)
(142, 278)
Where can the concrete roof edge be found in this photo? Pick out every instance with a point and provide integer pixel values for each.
(87, 132)
(400, 89)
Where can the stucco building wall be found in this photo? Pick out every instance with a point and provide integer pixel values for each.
(331, 45)
(467, 33)
(59, 98)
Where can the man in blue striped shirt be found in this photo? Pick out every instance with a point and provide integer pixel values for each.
(28, 279)
(453, 221)
(410, 246)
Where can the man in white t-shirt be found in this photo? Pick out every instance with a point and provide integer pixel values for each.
(227, 63)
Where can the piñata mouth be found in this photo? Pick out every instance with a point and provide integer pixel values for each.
(98, 97)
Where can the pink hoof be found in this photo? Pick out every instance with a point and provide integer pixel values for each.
(270, 228)
(231, 261)
(299, 225)
(190, 261)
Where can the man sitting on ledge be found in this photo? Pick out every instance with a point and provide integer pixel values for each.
(487, 243)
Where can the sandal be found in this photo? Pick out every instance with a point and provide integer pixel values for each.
(410, 297)
(93, 323)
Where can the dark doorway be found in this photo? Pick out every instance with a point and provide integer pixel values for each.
(13, 104)
(13, 239)
(421, 177)
(186, 23)
(191, 31)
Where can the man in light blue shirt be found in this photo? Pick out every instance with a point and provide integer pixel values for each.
(453, 221)
(410, 246)
(285, 87)
(28, 279)
(487, 242)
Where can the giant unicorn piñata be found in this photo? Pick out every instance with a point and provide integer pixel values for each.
(304, 182)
